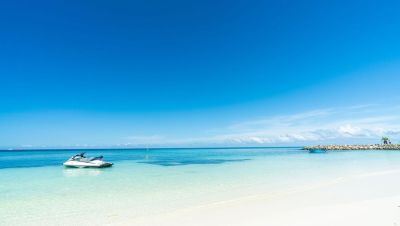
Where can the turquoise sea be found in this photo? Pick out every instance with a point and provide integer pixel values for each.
(35, 189)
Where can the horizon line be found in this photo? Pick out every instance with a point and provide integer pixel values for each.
(144, 148)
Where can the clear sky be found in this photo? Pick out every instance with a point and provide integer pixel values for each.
(198, 73)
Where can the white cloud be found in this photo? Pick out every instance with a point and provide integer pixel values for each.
(286, 120)
(363, 123)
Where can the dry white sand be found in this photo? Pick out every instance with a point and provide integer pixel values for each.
(365, 200)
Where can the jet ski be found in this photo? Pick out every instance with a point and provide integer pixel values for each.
(81, 161)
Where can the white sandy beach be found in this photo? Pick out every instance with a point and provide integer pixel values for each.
(368, 200)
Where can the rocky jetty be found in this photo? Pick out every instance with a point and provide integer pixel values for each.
(365, 147)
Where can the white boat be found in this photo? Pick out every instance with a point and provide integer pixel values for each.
(81, 161)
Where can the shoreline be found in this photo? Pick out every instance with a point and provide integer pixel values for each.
(302, 206)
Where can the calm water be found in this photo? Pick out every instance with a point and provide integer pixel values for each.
(35, 189)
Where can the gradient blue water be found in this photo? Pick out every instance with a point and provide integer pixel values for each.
(36, 189)
(164, 157)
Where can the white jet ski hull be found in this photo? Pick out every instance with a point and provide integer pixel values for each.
(91, 164)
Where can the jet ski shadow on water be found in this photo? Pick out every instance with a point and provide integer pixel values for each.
(81, 161)
(82, 172)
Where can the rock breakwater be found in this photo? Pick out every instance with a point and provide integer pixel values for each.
(354, 147)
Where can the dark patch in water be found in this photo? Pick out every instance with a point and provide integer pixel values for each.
(170, 162)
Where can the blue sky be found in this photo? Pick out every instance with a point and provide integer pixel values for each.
(198, 73)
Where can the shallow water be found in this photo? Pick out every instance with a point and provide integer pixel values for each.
(35, 189)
